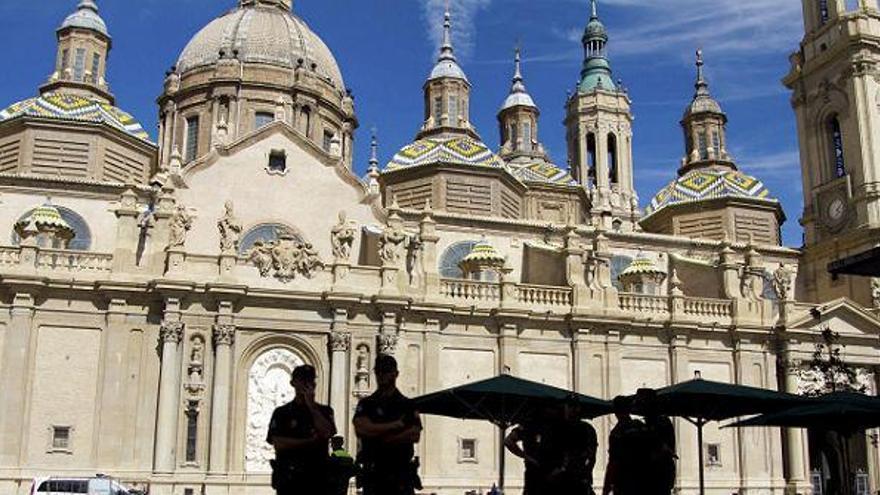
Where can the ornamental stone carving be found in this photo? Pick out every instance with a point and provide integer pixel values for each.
(783, 280)
(391, 244)
(388, 343)
(224, 335)
(171, 332)
(362, 371)
(340, 341)
(230, 230)
(342, 238)
(268, 388)
(181, 223)
(287, 257)
(196, 383)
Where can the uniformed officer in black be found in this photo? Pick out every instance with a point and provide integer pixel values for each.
(299, 431)
(388, 427)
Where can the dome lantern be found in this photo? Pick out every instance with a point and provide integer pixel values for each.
(44, 227)
(596, 72)
(484, 263)
(642, 276)
(284, 4)
(704, 125)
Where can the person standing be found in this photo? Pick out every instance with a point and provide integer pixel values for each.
(624, 474)
(388, 426)
(660, 443)
(299, 431)
(342, 467)
(526, 441)
(571, 450)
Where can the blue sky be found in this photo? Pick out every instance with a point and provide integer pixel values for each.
(386, 48)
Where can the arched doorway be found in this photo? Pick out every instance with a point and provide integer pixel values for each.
(268, 387)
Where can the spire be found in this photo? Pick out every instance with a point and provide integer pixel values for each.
(596, 72)
(374, 152)
(702, 86)
(447, 52)
(519, 96)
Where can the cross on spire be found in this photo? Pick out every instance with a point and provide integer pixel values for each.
(702, 85)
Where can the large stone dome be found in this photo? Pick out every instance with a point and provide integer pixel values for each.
(263, 34)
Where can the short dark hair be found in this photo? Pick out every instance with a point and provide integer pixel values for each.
(304, 372)
(622, 403)
(385, 363)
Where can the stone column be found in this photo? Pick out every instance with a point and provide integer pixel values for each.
(796, 454)
(161, 231)
(686, 433)
(170, 335)
(224, 339)
(13, 378)
(340, 344)
(428, 236)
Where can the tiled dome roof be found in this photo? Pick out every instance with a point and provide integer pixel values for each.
(70, 107)
(705, 184)
(454, 151)
(540, 171)
(261, 34)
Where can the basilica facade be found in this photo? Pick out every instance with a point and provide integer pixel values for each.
(155, 295)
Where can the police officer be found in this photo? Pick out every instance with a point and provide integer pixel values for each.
(527, 441)
(571, 451)
(299, 431)
(388, 426)
(625, 472)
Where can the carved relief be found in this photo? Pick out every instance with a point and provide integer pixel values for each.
(268, 388)
(875, 292)
(181, 223)
(388, 343)
(342, 238)
(287, 257)
(171, 332)
(340, 341)
(224, 334)
(230, 230)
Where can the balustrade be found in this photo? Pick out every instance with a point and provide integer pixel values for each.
(9, 256)
(470, 290)
(708, 308)
(541, 295)
(643, 303)
(73, 261)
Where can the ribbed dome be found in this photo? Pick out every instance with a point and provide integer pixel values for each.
(261, 34)
(708, 184)
(86, 17)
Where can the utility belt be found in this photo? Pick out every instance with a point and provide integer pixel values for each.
(372, 475)
(287, 475)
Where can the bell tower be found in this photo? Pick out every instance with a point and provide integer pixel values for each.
(599, 134)
(836, 99)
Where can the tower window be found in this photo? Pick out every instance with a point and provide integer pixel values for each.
(527, 135)
(453, 110)
(514, 134)
(65, 60)
(837, 147)
(96, 66)
(823, 11)
(328, 140)
(79, 64)
(716, 142)
(305, 120)
(612, 158)
(591, 159)
(262, 119)
(192, 139)
(438, 110)
(704, 145)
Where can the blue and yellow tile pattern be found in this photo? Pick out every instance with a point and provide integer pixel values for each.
(707, 184)
(452, 151)
(63, 106)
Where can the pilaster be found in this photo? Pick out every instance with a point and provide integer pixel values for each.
(340, 347)
(16, 366)
(111, 437)
(170, 336)
(223, 337)
(125, 253)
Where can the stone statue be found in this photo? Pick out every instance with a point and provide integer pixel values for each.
(198, 352)
(362, 370)
(752, 285)
(782, 283)
(875, 292)
(230, 231)
(261, 257)
(181, 222)
(390, 244)
(342, 238)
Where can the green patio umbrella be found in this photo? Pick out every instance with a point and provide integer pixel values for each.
(700, 401)
(504, 401)
(844, 413)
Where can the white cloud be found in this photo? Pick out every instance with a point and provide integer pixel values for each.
(464, 26)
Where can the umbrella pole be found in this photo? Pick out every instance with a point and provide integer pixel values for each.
(503, 430)
(700, 424)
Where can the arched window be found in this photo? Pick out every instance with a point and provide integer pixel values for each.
(704, 145)
(612, 158)
(452, 256)
(527, 136)
(191, 145)
(264, 233)
(262, 119)
(305, 121)
(453, 110)
(591, 159)
(82, 238)
(835, 134)
(514, 134)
